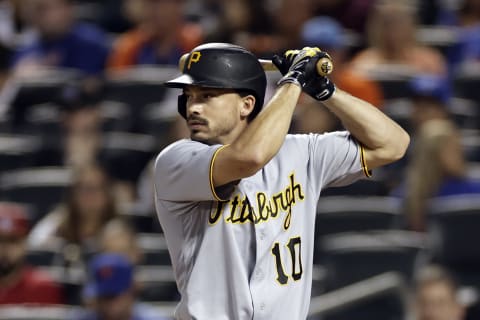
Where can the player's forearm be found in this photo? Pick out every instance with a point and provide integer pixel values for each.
(265, 135)
(384, 140)
(260, 140)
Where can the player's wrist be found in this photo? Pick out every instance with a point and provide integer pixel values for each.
(294, 77)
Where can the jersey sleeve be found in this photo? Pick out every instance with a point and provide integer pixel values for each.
(183, 172)
(338, 159)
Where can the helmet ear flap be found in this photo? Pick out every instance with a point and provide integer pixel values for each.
(182, 105)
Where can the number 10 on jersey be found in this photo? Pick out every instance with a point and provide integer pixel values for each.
(294, 247)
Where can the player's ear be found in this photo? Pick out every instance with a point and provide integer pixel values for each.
(248, 104)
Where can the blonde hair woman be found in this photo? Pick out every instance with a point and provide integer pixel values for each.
(437, 169)
(391, 30)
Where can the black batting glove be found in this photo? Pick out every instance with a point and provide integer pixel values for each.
(317, 86)
(284, 62)
(296, 61)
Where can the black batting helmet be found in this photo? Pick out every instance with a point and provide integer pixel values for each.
(222, 65)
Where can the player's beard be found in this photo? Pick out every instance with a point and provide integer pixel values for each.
(213, 133)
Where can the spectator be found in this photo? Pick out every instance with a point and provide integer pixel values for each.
(430, 97)
(469, 13)
(13, 31)
(327, 34)
(161, 35)
(83, 139)
(436, 296)
(20, 283)
(467, 51)
(145, 192)
(237, 24)
(351, 14)
(112, 287)
(61, 42)
(437, 168)
(391, 34)
(6, 87)
(82, 123)
(288, 18)
(89, 205)
(120, 238)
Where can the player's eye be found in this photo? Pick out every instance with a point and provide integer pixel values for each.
(208, 95)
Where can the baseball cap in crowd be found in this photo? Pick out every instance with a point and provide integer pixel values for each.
(323, 32)
(430, 86)
(110, 275)
(13, 220)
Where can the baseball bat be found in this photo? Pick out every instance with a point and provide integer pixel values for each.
(324, 65)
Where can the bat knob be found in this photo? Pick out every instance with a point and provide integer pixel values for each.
(324, 66)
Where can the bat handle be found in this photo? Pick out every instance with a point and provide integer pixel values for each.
(324, 66)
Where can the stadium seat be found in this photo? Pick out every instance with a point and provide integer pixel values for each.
(126, 154)
(154, 249)
(453, 231)
(18, 151)
(139, 88)
(346, 214)
(43, 87)
(71, 279)
(352, 257)
(143, 221)
(18, 312)
(471, 145)
(157, 283)
(42, 187)
(466, 83)
(393, 80)
(370, 187)
(43, 119)
(464, 112)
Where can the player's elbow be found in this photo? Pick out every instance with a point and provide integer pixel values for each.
(398, 146)
(402, 145)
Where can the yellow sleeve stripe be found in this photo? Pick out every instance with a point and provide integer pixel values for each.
(368, 173)
(212, 186)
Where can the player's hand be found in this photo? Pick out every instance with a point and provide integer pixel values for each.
(317, 86)
(296, 61)
(300, 66)
(284, 61)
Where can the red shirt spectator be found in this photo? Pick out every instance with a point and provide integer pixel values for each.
(18, 282)
(31, 286)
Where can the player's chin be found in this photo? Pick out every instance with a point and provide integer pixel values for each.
(199, 136)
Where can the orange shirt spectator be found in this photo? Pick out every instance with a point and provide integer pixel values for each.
(152, 41)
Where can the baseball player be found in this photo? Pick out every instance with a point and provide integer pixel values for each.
(237, 201)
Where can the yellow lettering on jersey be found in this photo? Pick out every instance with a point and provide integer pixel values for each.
(239, 210)
(217, 213)
(194, 57)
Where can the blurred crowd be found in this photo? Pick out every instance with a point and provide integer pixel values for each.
(83, 114)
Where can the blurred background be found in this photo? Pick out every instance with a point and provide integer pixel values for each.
(83, 114)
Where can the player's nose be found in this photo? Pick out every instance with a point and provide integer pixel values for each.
(195, 108)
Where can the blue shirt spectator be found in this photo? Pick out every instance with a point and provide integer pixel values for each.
(84, 48)
(111, 290)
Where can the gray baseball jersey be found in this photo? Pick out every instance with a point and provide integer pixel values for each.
(245, 251)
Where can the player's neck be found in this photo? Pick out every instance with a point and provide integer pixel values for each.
(232, 135)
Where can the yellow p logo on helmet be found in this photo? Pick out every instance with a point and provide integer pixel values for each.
(194, 57)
